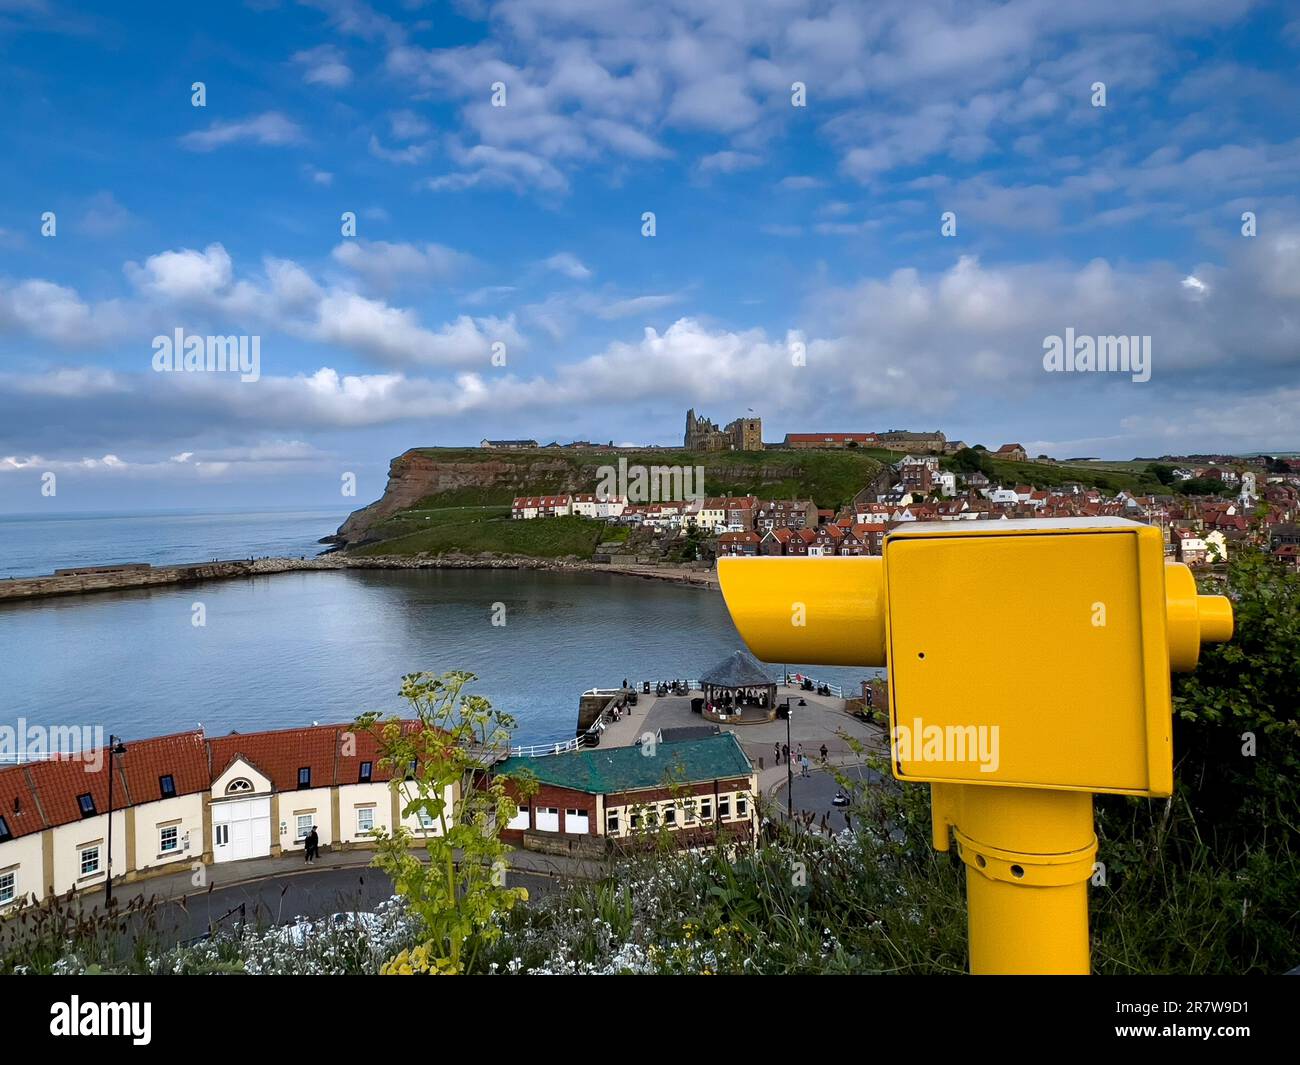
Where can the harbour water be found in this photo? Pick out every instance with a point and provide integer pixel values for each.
(293, 648)
(32, 544)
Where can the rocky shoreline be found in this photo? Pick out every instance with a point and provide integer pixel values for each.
(114, 579)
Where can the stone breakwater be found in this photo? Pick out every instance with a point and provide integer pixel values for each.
(115, 580)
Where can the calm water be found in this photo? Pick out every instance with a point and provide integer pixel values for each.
(33, 544)
(296, 647)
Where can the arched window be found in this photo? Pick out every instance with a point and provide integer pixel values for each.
(238, 785)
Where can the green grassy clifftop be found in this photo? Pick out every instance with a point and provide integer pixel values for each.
(442, 500)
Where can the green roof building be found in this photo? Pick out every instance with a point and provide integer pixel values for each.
(702, 790)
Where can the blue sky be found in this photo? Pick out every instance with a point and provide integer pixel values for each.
(798, 265)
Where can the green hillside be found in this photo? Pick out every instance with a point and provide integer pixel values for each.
(830, 478)
(475, 530)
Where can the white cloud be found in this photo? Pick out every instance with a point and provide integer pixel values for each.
(405, 156)
(728, 162)
(271, 128)
(324, 65)
(569, 265)
(385, 266)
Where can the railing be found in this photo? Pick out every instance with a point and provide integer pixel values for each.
(791, 681)
(589, 738)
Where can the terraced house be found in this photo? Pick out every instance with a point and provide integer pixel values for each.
(187, 798)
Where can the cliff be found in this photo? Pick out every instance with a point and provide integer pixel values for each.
(443, 478)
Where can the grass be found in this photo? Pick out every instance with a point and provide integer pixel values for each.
(829, 478)
(480, 530)
(1109, 478)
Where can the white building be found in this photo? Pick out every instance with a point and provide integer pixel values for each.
(187, 798)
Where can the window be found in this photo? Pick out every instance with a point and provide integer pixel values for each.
(611, 822)
(520, 821)
(742, 805)
(688, 811)
(366, 770)
(724, 807)
(86, 803)
(4, 830)
(706, 809)
(426, 821)
(90, 860)
(169, 840)
(304, 777)
(366, 819)
(220, 835)
(8, 887)
(236, 786)
(305, 825)
(634, 821)
(670, 816)
(167, 785)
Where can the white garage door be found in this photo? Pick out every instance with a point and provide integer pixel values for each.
(241, 829)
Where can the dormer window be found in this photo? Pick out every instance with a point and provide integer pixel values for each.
(367, 770)
(304, 777)
(86, 804)
(236, 786)
(167, 785)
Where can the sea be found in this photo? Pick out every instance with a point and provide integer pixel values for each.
(323, 646)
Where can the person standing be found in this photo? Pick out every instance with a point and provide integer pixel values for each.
(785, 752)
(803, 765)
(776, 754)
(312, 845)
(824, 752)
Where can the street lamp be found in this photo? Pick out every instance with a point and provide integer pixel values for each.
(789, 772)
(115, 746)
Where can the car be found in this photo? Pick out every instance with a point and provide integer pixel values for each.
(840, 799)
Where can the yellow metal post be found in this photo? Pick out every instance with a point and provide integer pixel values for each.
(1029, 854)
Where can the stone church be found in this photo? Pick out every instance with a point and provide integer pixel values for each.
(743, 434)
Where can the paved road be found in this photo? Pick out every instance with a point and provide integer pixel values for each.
(279, 900)
(813, 794)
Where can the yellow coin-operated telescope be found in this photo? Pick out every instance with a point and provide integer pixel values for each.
(1028, 667)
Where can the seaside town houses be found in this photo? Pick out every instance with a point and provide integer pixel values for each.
(187, 801)
(1257, 497)
(190, 800)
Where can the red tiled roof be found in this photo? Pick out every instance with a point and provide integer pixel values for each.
(281, 754)
(806, 438)
(59, 782)
(183, 757)
(47, 792)
(17, 803)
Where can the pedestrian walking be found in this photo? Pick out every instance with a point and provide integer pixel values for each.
(798, 752)
(803, 766)
(776, 754)
(825, 752)
(312, 845)
(785, 752)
